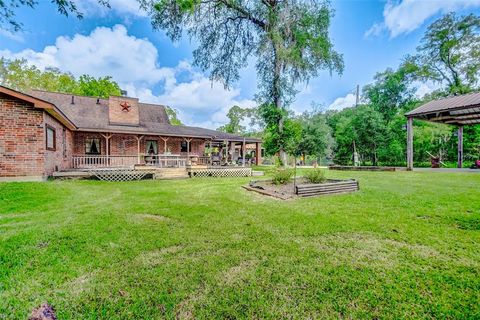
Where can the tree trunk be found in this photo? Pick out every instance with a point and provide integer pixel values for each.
(277, 100)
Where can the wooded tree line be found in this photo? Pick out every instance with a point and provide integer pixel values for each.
(447, 57)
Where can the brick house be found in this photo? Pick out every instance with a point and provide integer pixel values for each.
(43, 132)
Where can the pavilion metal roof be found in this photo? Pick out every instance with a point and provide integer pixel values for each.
(456, 110)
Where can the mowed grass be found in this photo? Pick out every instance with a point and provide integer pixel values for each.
(406, 246)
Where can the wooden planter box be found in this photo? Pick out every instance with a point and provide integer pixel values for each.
(330, 187)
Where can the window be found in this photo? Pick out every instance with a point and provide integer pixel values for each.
(50, 138)
(64, 142)
(183, 147)
(151, 147)
(92, 146)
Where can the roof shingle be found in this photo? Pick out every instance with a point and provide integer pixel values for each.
(91, 114)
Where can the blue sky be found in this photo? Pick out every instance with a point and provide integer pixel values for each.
(371, 35)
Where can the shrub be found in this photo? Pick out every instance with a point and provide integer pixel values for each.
(282, 176)
(315, 176)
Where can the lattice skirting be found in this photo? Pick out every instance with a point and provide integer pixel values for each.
(119, 174)
(221, 172)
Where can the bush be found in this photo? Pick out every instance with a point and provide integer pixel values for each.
(315, 176)
(282, 176)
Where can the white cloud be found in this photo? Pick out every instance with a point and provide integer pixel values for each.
(15, 36)
(133, 63)
(405, 16)
(343, 102)
(93, 8)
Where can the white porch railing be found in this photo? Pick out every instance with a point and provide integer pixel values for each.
(94, 161)
(166, 160)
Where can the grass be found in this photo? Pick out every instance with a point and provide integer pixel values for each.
(405, 246)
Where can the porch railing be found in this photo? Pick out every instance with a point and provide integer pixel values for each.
(98, 161)
(166, 161)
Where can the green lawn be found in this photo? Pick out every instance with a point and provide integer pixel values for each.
(406, 246)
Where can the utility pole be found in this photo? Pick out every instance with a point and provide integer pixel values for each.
(357, 100)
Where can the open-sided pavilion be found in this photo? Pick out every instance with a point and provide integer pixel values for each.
(457, 110)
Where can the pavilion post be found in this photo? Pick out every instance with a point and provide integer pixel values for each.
(243, 152)
(460, 147)
(258, 153)
(410, 143)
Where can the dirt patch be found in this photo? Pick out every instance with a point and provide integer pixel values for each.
(155, 257)
(149, 217)
(239, 272)
(44, 312)
(365, 250)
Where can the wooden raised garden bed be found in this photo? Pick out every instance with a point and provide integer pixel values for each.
(302, 189)
(330, 187)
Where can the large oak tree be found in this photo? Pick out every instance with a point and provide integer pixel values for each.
(288, 39)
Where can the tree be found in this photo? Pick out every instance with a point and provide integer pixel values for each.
(8, 7)
(172, 115)
(316, 139)
(289, 40)
(363, 127)
(17, 74)
(389, 93)
(101, 87)
(449, 53)
(236, 115)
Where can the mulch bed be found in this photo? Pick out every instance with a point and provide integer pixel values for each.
(266, 187)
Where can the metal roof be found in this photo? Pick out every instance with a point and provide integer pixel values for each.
(456, 110)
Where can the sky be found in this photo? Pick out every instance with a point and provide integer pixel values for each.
(120, 42)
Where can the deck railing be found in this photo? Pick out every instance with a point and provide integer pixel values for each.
(166, 161)
(160, 160)
(100, 161)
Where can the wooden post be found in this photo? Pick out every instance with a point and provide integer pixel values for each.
(138, 148)
(409, 143)
(232, 151)
(107, 146)
(243, 152)
(258, 153)
(460, 147)
(165, 144)
(188, 149)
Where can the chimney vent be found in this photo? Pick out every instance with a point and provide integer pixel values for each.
(98, 100)
(73, 99)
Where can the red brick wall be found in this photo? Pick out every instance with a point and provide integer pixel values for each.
(22, 139)
(61, 158)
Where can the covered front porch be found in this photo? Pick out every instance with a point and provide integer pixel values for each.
(111, 150)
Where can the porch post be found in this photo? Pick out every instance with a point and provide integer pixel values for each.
(107, 147)
(188, 149)
(258, 153)
(138, 148)
(232, 150)
(165, 144)
(243, 152)
(460, 147)
(409, 143)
